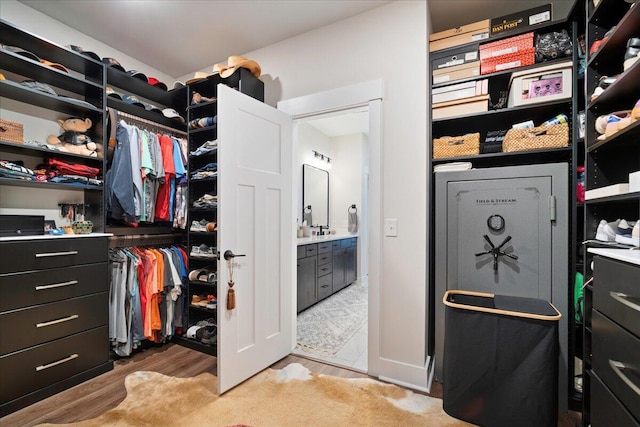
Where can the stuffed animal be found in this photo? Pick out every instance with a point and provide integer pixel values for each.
(74, 139)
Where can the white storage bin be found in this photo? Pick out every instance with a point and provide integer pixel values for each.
(543, 84)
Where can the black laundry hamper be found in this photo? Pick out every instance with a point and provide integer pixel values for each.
(500, 363)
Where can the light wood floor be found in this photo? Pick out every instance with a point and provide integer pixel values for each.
(106, 391)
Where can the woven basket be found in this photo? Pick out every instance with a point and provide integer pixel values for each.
(555, 136)
(455, 146)
(11, 131)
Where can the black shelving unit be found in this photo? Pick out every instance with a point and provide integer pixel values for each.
(608, 161)
(243, 81)
(80, 94)
(504, 118)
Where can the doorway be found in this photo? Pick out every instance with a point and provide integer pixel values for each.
(367, 96)
(335, 329)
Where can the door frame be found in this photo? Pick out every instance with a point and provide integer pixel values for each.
(366, 94)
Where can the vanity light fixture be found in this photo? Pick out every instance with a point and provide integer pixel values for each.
(321, 156)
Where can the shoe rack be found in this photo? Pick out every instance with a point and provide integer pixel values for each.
(609, 158)
(203, 220)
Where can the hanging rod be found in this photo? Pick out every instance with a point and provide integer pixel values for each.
(149, 122)
(143, 239)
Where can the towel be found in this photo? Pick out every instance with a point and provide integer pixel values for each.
(353, 222)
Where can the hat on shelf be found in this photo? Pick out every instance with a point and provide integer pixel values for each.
(178, 84)
(198, 75)
(111, 62)
(151, 107)
(132, 99)
(42, 87)
(55, 65)
(20, 51)
(157, 83)
(234, 62)
(110, 92)
(138, 75)
(172, 114)
(80, 50)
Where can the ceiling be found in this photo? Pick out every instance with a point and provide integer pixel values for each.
(179, 37)
(343, 123)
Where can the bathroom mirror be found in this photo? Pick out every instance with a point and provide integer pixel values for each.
(315, 193)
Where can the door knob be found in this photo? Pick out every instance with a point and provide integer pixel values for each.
(229, 255)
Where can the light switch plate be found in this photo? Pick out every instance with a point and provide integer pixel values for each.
(391, 227)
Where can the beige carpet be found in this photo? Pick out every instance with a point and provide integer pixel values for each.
(292, 396)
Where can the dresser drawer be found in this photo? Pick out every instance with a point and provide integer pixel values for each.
(310, 250)
(616, 292)
(325, 286)
(29, 370)
(324, 269)
(324, 247)
(606, 410)
(616, 360)
(325, 257)
(24, 328)
(43, 286)
(347, 243)
(335, 245)
(43, 254)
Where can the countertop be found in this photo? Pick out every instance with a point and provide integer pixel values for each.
(326, 238)
(626, 255)
(51, 236)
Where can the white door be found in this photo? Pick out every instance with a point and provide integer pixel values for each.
(255, 219)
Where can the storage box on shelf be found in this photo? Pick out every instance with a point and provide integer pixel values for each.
(464, 34)
(612, 154)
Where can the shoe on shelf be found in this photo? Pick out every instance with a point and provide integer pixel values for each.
(207, 275)
(633, 52)
(606, 231)
(203, 226)
(635, 234)
(635, 113)
(604, 83)
(624, 232)
(202, 251)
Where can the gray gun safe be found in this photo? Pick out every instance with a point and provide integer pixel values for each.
(504, 231)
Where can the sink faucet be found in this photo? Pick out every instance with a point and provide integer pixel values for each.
(321, 233)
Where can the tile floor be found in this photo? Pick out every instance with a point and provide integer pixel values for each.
(353, 355)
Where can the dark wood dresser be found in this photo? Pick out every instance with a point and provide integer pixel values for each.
(54, 315)
(615, 347)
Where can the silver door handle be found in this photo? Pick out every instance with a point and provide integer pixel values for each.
(52, 364)
(56, 285)
(49, 254)
(618, 367)
(55, 322)
(622, 299)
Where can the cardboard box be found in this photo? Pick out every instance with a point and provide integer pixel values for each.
(506, 46)
(506, 62)
(520, 20)
(469, 33)
(460, 91)
(454, 57)
(459, 72)
(543, 84)
(460, 107)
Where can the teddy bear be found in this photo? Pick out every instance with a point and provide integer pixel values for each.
(73, 139)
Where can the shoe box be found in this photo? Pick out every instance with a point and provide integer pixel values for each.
(464, 34)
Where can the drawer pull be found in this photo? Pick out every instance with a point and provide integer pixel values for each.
(623, 299)
(50, 254)
(618, 367)
(59, 362)
(324, 286)
(55, 322)
(56, 285)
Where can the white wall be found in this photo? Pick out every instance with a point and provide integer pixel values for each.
(387, 43)
(345, 182)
